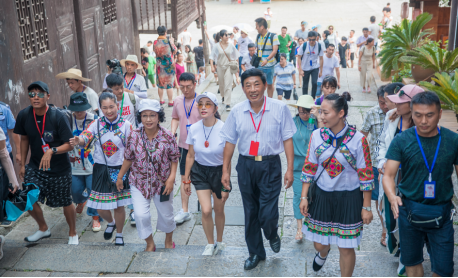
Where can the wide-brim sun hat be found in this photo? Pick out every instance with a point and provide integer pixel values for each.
(131, 58)
(209, 95)
(305, 101)
(72, 74)
(244, 31)
(149, 104)
(406, 93)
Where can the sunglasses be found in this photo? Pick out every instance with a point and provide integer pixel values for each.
(207, 105)
(33, 94)
(312, 40)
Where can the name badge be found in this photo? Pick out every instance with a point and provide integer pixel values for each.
(430, 190)
(254, 148)
(311, 63)
(45, 148)
(187, 128)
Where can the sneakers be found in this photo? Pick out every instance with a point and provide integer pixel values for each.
(73, 240)
(210, 250)
(401, 269)
(96, 224)
(6, 223)
(38, 235)
(2, 241)
(228, 108)
(220, 246)
(182, 217)
(132, 219)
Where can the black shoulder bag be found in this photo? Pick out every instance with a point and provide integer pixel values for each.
(312, 188)
(256, 60)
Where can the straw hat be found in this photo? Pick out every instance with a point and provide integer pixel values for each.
(131, 58)
(305, 101)
(72, 74)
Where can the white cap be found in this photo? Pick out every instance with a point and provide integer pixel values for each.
(211, 96)
(149, 104)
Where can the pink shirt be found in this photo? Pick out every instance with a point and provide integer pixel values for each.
(178, 112)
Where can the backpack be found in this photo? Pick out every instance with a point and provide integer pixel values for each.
(304, 46)
(54, 109)
(272, 35)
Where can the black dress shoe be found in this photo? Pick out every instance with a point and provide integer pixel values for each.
(317, 267)
(107, 235)
(275, 244)
(252, 262)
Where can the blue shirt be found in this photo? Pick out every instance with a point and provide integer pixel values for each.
(7, 122)
(277, 126)
(285, 76)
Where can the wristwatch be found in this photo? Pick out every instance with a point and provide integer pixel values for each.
(367, 208)
(54, 150)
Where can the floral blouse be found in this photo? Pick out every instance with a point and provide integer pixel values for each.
(351, 166)
(149, 176)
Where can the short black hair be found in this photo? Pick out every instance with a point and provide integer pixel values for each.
(284, 27)
(331, 45)
(254, 72)
(426, 98)
(283, 55)
(143, 51)
(161, 30)
(381, 91)
(372, 19)
(261, 22)
(352, 31)
(393, 88)
(312, 34)
(114, 79)
(344, 38)
(365, 29)
(107, 94)
(250, 45)
(200, 41)
(150, 42)
(326, 32)
(187, 76)
(387, 9)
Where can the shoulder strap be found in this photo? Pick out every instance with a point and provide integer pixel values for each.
(132, 99)
(265, 41)
(304, 47)
(100, 142)
(338, 143)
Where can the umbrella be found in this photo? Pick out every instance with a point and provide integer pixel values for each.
(21, 201)
(245, 26)
(218, 28)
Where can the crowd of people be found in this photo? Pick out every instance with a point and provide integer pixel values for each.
(111, 150)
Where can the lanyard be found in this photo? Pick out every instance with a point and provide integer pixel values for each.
(302, 122)
(129, 85)
(423, 153)
(122, 105)
(311, 52)
(84, 88)
(44, 121)
(400, 126)
(78, 132)
(190, 109)
(264, 110)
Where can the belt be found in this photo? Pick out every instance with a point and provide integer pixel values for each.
(259, 157)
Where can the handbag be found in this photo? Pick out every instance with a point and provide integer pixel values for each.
(312, 188)
(295, 96)
(106, 174)
(256, 60)
(233, 65)
(427, 216)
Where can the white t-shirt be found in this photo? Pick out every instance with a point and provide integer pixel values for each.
(246, 60)
(268, 15)
(352, 42)
(128, 110)
(104, 86)
(138, 85)
(311, 54)
(186, 38)
(243, 45)
(213, 155)
(329, 64)
(92, 98)
(374, 28)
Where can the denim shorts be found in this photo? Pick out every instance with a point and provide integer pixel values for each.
(375, 191)
(287, 93)
(269, 72)
(441, 244)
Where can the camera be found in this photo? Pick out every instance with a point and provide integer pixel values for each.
(114, 65)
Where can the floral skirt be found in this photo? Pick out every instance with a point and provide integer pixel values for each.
(104, 194)
(335, 218)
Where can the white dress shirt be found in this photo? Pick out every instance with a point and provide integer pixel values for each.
(277, 126)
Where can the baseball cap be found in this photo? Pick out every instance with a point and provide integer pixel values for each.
(209, 95)
(40, 85)
(406, 93)
(149, 104)
(303, 22)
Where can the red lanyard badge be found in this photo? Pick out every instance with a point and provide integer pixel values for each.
(45, 146)
(255, 144)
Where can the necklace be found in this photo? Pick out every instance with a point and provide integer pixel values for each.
(206, 137)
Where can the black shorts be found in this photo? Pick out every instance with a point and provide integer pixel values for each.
(183, 154)
(287, 93)
(54, 190)
(352, 56)
(207, 178)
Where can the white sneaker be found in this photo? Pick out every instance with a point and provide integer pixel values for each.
(210, 250)
(182, 217)
(220, 246)
(2, 241)
(212, 199)
(38, 235)
(73, 240)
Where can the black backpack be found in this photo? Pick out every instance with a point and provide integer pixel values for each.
(304, 46)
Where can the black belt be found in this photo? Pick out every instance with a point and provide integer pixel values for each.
(259, 157)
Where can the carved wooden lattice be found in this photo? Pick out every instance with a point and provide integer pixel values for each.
(109, 11)
(25, 29)
(41, 31)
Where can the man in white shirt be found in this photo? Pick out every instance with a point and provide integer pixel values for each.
(374, 30)
(236, 34)
(330, 64)
(246, 59)
(135, 84)
(242, 46)
(362, 39)
(310, 57)
(268, 17)
(353, 47)
(185, 38)
(147, 47)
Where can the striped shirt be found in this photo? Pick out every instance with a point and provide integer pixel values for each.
(277, 126)
(373, 123)
(285, 76)
(268, 49)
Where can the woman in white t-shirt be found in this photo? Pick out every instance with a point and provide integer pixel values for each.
(204, 165)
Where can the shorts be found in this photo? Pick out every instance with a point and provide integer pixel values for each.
(268, 24)
(375, 191)
(352, 56)
(207, 178)
(54, 190)
(183, 154)
(287, 93)
(441, 244)
(269, 72)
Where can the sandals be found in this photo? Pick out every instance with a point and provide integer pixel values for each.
(299, 235)
(170, 104)
(106, 235)
(162, 102)
(383, 240)
(80, 207)
(120, 244)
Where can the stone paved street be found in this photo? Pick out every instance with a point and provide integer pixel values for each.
(96, 257)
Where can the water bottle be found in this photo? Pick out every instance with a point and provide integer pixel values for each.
(85, 194)
(311, 122)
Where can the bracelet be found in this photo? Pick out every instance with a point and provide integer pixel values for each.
(304, 198)
(187, 182)
(225, 190)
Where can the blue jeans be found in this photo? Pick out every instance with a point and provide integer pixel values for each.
(297, 189)
(375, 191)
(79, 184)
(441, 245)
(318, 89)
(269, 72)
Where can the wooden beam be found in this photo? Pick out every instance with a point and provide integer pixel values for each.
(452, 37)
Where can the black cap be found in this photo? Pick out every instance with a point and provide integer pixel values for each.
(79, 102)
(40, 85)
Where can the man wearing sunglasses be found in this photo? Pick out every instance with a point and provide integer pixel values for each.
(310, 57)
(47, 132)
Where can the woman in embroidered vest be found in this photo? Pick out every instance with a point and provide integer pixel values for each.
(152, 152)
(108, 135)
(339, 178)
